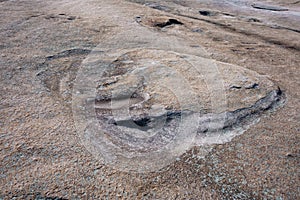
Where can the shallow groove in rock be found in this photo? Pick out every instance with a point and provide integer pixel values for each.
(157, 6)
(264, 38)
(232, 118)
(144, 121)
(69, 52)
(208, 123)
(268, 7)
(272, 100)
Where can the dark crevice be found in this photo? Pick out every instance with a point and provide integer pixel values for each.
(268, 7)
(238, 117)
(71, 18)
(285, 28)
(70, 52)
(145, 122)
(253, 86)
(225, 120)
(267, 103)
(168, 23)
(142, 122)
(296, 2)
(207, 13)
(209, 123)
(253, 20)
(235, 87)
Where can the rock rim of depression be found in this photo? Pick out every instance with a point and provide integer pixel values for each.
(141, 105)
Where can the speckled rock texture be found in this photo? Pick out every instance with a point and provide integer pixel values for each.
(154, 51)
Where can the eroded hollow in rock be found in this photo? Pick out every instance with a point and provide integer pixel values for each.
(145, 95)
